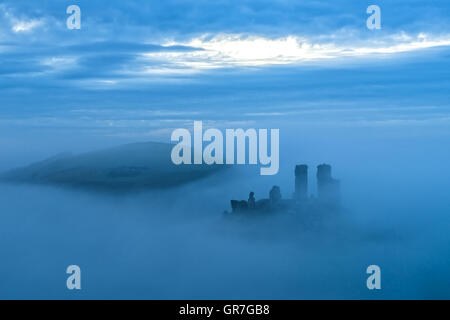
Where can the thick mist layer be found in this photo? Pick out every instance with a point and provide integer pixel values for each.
(178, 244)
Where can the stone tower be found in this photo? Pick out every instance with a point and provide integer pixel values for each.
(301, 182)
(327, 187)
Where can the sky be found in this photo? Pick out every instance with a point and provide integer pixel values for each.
(136, 70)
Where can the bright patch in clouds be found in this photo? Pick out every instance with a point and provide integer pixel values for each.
(26, 26)
(230, 50)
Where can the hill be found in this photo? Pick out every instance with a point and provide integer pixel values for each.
(124, 168)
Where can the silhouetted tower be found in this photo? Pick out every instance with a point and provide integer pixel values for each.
(275, 195)
(251, 200)
(301, 182)
(327, 187)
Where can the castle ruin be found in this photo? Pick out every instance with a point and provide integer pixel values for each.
(328, 194)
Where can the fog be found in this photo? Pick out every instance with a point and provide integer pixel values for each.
(177, 243)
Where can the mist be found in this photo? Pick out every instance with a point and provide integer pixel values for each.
(179, 244)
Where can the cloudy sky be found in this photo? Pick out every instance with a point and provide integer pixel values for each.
(138, 69)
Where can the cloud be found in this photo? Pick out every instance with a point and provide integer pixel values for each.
(19, 23)
(26, 26)
(124, 45)
(235, 50)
